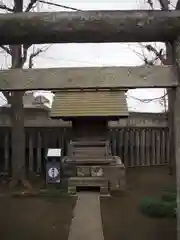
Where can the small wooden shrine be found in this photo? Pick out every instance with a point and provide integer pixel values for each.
(89, 150)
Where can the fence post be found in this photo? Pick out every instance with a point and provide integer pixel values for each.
(6, 151)
(39, 155)
(31, 157)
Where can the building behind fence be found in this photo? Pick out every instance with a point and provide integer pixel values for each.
(140, 140)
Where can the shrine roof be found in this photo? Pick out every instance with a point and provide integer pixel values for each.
(87, 103)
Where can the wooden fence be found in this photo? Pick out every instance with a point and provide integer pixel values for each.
(141, 146)
(135, 146)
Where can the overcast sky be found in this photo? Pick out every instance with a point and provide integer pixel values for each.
(81, 55)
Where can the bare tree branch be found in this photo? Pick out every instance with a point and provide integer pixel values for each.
(7, 96)
(30, 5)
(178, 5)
(148, 100)
(143, 56)
(25, 51)
(6, 49)
(150, 2)
(4, 7)
(24, 57)
(33, 55)
(59, 5)
(164, 4)
(150, 62)
(159, 54)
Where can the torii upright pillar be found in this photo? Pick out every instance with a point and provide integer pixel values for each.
(176, 64)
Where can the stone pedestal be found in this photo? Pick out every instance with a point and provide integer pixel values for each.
(108, 177)
(115, 174)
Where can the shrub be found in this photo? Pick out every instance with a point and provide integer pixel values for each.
(169, 197)
(170, 190)
(157, 208)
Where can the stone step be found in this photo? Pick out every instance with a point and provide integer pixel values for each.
(89, 161)
(90, 152)
(88, 181)
(86, 154)
(100, 182)
(89, 143)
(86, 148)
(89, 156)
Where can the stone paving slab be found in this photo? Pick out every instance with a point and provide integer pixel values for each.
(87, 222)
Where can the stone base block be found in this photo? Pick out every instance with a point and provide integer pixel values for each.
(83, 171)
(71, 190)
(75, 182)
(104, 190)
(116, 176)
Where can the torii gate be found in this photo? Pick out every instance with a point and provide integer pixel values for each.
(97, 26)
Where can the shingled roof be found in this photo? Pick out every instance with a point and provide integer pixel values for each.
(100, 103)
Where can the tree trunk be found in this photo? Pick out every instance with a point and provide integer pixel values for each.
(89, 26)
(18, 138)
(17, 120)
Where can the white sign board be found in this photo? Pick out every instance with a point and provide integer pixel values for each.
(54, 152)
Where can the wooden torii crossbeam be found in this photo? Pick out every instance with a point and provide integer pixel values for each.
(89, 26)
(89, 77)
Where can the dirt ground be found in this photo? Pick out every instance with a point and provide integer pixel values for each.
(35, 218)
(121, 217)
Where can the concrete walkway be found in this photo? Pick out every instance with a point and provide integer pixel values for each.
(87, 223)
